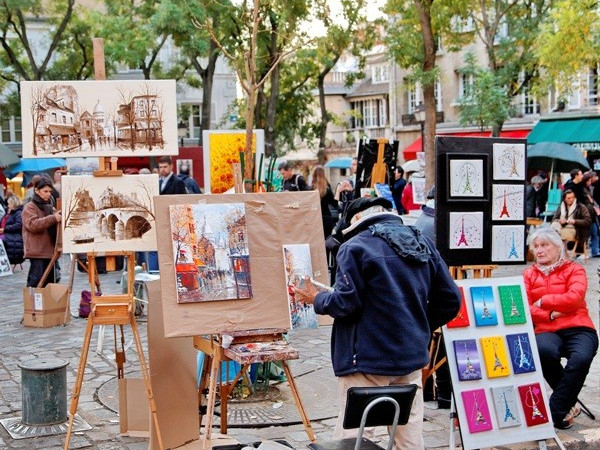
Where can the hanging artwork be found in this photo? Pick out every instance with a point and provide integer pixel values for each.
(103, 216)
(508, 201)
(4, 261)
(466, 178)
(534, 407)
(462, 318)
(297, 265)
(82, 166)
(511, 302)
(494, 355)
(521, 355)
(99, 118)
(466, 230)
(484, 307)
(210, 251)
(508, 243)
(477, 411)
(419, 190)
(509, 161)
(221, 149)
(467, 360)
(506, 406)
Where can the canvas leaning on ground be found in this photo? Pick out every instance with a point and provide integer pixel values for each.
(102, 216)
(98, 118)
(210, 251)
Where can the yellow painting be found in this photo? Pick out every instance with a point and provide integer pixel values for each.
(494, 355)
(222, 149)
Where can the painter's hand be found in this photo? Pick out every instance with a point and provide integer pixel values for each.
(307, 293)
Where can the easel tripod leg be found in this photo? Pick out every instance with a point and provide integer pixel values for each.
(212, 394)
(146, 376)
(79, 380)
(307, 426)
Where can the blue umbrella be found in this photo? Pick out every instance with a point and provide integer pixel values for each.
(343, 162)
(34, 165)
(555, 156)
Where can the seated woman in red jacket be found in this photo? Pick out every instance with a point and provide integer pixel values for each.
(556, 289)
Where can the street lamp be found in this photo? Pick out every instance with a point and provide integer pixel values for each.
(182, 131)
(419, 114)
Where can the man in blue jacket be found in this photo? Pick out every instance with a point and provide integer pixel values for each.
(392, 290)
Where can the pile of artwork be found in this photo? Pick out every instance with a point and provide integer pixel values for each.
(485, 183)
(494, 365)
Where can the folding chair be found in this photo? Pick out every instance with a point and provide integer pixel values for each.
(371, 407)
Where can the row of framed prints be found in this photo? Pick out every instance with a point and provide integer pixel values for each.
(468, 177)
(494, 365)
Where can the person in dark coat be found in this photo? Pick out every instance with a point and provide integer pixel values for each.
(169, 183)
(397, 189)
(12, 232)
(392, 290)
(190, 184)
(535, 203)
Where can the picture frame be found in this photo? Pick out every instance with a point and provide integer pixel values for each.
(467, 178)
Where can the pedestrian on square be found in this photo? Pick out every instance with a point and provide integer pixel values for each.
(571, 213)
(392, 290)
(191, 186)
(556, 289)
(12, 230)
(535, 202)
(594, 210)
(321, 183)
(169, 184)
(40, 228)
(398, 188)
(291, 181)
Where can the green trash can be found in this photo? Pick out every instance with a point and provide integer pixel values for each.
(44, 391)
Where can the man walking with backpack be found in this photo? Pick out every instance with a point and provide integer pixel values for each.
(291, 180)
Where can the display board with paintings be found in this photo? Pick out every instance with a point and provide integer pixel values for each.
(229, 262)
(99, 118)
(480, 200)
(497, 380)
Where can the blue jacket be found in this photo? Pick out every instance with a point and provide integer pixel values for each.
(392, 290)
(13, 236)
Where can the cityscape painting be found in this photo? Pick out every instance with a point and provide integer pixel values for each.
(210, 251)
(98, 118)
(99, 216)
(297, 263)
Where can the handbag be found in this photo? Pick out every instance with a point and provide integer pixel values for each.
(568, 232)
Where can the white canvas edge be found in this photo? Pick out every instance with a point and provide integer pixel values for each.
(260, 149)
(499, 436)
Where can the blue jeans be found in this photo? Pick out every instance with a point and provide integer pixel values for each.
(595, 238)
(578, 345)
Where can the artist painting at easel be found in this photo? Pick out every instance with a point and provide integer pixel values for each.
(392, 290)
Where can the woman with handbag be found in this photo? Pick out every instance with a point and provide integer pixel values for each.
(40, 228)
(572, 221)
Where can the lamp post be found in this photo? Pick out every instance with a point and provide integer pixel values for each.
(419, 113)
(182, 131)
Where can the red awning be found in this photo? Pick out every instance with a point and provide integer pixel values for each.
(410, 152)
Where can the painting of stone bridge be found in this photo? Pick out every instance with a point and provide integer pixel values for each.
(98, 118)
(102, 214)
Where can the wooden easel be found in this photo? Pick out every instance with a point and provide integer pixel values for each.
(379, 168)
(118, 309)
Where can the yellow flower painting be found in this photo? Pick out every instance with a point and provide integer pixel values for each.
(224, 150)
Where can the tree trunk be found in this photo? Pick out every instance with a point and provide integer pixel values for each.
(248, 157)
(324, 118)
(270, 114)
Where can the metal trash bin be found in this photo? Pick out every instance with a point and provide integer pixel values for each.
(44, 391)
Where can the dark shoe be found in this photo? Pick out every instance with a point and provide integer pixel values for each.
(564, 424)
(443, 404)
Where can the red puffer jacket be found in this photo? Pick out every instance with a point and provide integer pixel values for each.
(562, 290)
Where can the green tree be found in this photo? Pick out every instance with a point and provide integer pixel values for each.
(568, 43)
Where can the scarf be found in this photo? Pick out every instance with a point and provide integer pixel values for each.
(548, 269)
(47, 208)
(564, 213)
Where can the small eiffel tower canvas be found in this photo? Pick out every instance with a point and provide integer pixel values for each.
(467, 359)
(511, 302)
(521, 355)
(477, 411)
(506, 406)
(532, 400)
(494, 355)
(484, 307)
(462, 318)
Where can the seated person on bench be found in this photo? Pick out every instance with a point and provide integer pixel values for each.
(556, 289)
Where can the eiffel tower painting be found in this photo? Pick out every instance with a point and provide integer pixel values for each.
(511, 301)
(477, 410)
(505, 404)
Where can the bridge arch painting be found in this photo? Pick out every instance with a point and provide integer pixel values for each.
(108, 214)
(210, 251)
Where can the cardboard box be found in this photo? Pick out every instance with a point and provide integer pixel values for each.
(45, 307)
(134, 412)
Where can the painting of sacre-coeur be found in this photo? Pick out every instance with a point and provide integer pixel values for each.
(98, 118)
(101, 214)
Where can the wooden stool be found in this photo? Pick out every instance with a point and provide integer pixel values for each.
(573, 253)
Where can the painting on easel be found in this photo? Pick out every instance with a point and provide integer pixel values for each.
(103, 216)
(99, 118)
(4, 262)
(210, 251)
(297, 263)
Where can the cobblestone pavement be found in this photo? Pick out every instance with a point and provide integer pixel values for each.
(313, 375)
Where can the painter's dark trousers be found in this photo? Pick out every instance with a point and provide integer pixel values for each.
(37, 267)
(578, 345)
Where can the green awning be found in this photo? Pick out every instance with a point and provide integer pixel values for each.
(583, 130)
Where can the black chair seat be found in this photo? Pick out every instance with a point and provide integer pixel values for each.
(345, 444)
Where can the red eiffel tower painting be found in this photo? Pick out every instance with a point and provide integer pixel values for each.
(463, 238)
(504, 211)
